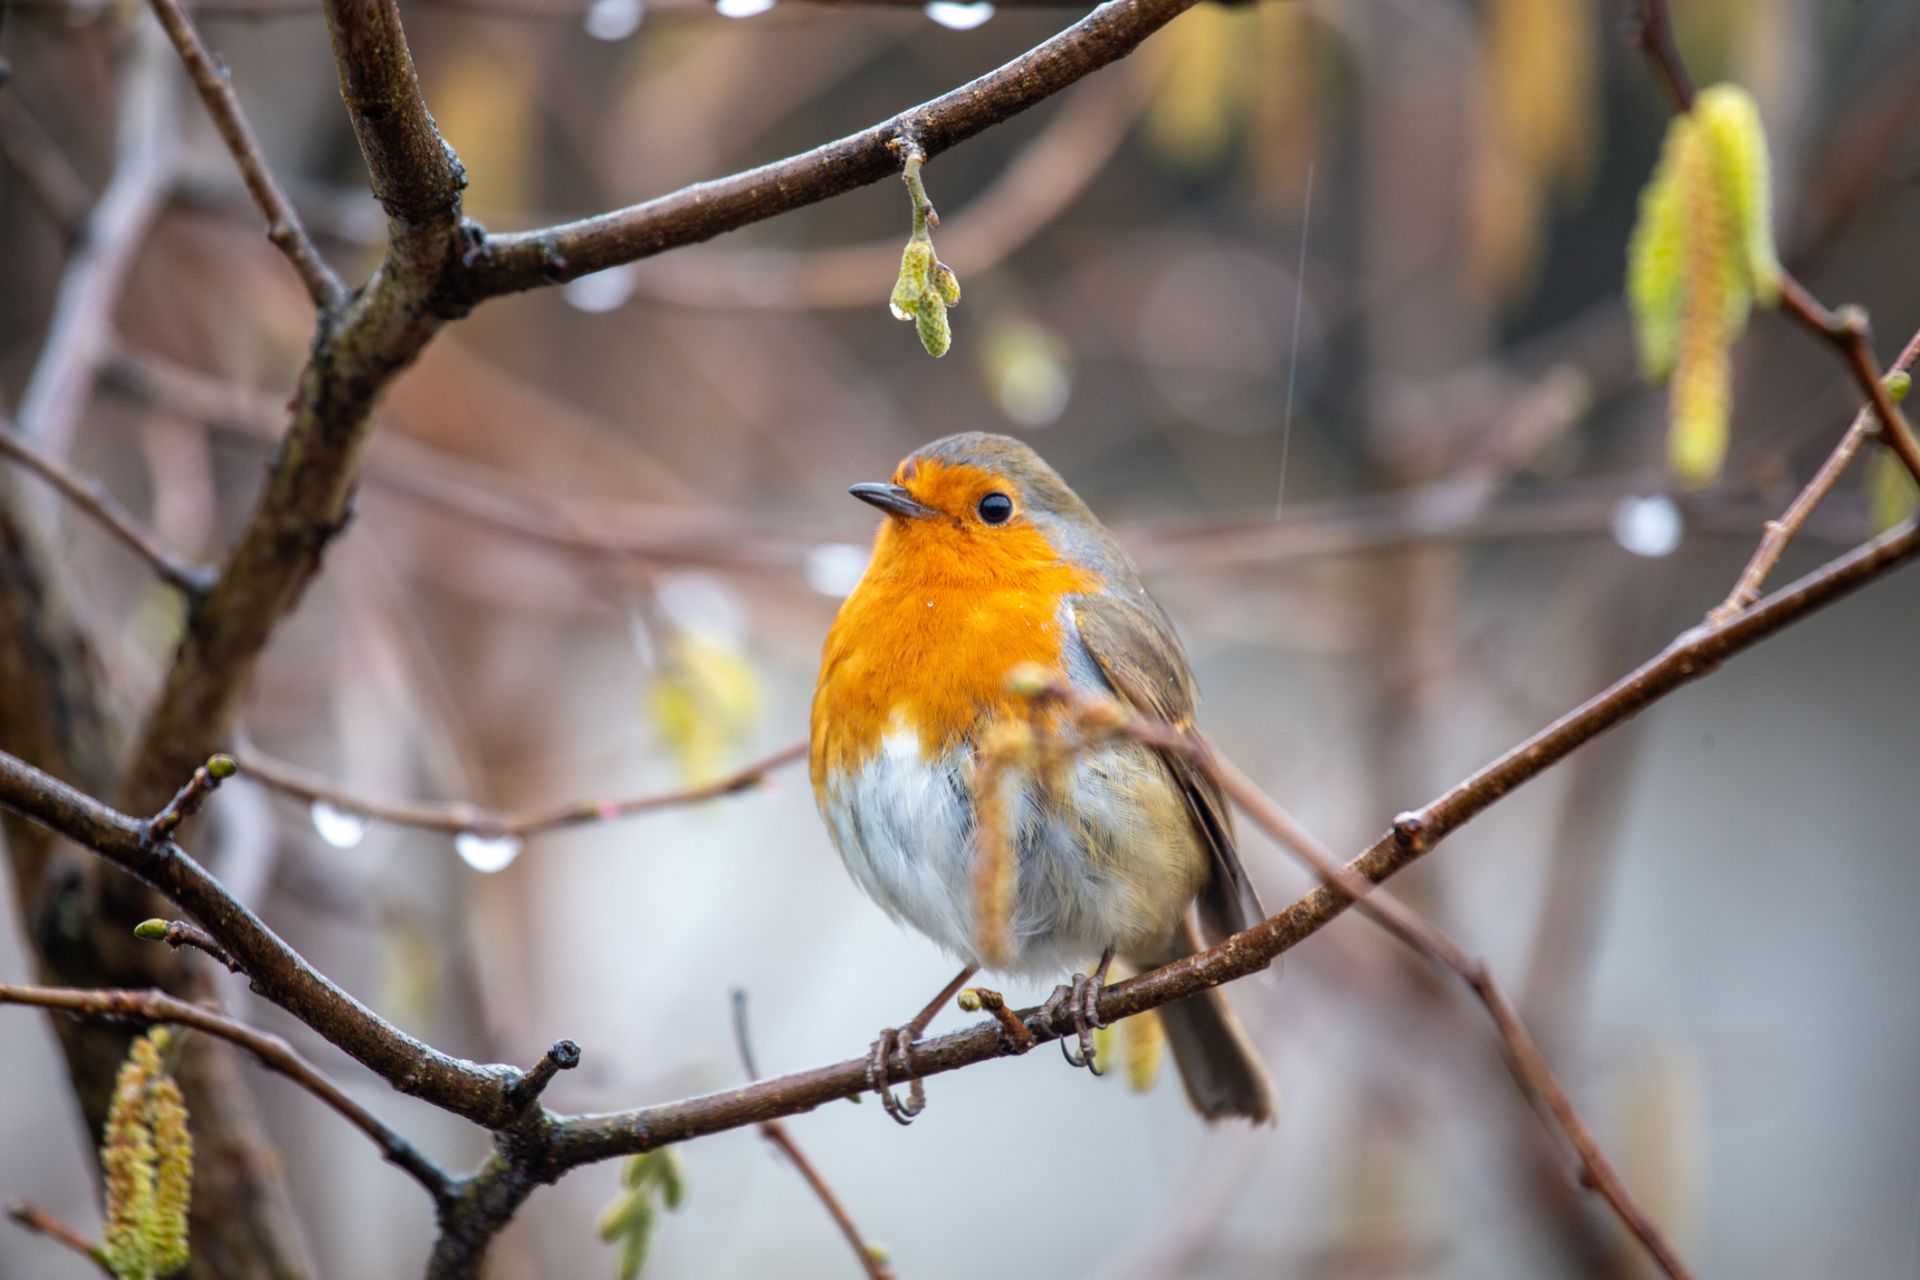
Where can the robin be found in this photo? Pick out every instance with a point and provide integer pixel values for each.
(986, 562)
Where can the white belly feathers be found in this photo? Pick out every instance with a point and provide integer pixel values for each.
(904, 826)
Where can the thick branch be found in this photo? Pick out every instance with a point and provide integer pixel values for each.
(415, 175)
(146, 1007)
(358, 349)
(525, 259)
(468, 1089)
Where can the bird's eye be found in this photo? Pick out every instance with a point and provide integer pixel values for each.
(995, 508)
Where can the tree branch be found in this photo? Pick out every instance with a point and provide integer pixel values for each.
(283, 223)
(1773, 544)
(1529, 1066)
(40, 1222)
(521, 260)
(277, 971)
(115, 230)
(415, 176)
(456, 818)
(92, 497)
(873, 1260)
(1100, 718)
(147, 1007)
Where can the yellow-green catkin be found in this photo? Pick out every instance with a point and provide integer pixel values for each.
(648, 1181)
(147, 1157)
(1701, 256)
(1146, 1041)
(926, 286)
(173, 1175)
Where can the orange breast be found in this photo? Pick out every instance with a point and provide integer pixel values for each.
(925, 641)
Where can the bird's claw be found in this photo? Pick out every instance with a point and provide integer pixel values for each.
(890, 1040)
(1081, 1001)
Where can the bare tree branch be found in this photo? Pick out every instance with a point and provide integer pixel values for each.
(872, 1259)
(216, 90)
(147, 1007)
(1780, 532)
(76, 338)
(44, 171)
(436, 267)
(92, 497)
(185, 933)
(526, 259)
(40, 1222)
(277, 972)
(456, 818)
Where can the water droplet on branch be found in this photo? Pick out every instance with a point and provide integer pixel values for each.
(487, 853)
(957, 16)
(341, 828)
(602, 291)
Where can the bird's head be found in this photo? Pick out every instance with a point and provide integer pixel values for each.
(984, 508)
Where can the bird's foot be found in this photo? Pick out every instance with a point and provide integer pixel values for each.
(901, 1040)
(892, 1040)
(1080, 1000)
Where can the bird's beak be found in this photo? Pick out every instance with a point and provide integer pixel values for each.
(892, 499)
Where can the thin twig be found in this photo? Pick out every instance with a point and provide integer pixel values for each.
(1780, 532)
(56, 394)
(1528, 1064)
(40, 1222)
(454, 819)
(210, 78)
(1101, 718)
(185, 933)
(92, 497)
(275, 1054)
(873, 1259)
(564, 1055)
(187, 801)
(44, 171)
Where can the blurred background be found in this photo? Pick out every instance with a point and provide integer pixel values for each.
(1318, 304)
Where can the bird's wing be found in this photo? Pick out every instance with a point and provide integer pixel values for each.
(1135, 647)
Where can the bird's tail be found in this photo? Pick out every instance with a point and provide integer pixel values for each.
(1217, 1064)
